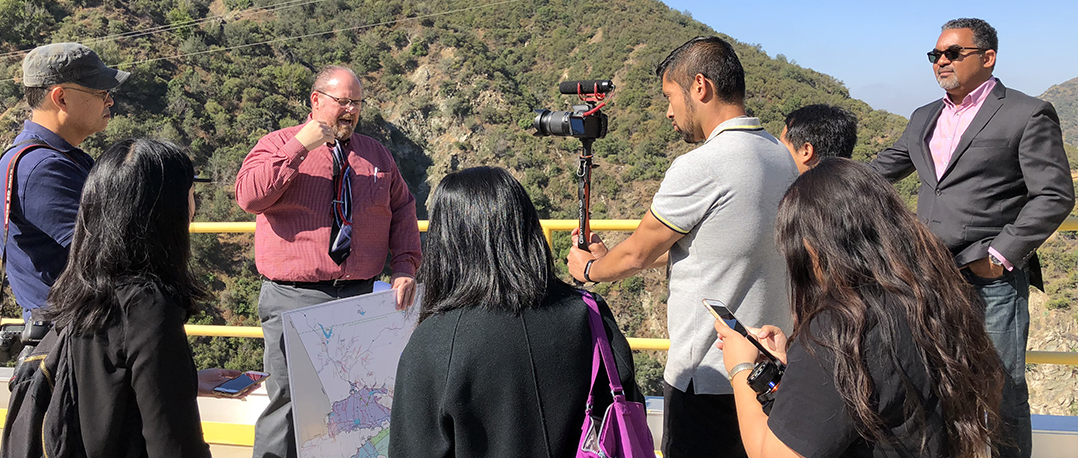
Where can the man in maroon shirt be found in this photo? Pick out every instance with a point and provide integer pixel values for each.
(292, 181)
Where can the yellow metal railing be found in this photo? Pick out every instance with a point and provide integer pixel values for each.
(243, 435)
(565, 225)
(1070, 224)
(550, 226)
(636, 343)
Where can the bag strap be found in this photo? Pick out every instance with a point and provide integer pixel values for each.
(596, 362)
(9, 181)
(602, 350)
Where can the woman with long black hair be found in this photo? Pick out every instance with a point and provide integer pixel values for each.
(123, 298)
(889, 355)
(500, 362)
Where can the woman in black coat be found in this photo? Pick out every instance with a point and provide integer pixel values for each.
(500, 363)
(124, 296)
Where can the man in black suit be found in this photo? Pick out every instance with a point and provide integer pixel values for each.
(994, 185)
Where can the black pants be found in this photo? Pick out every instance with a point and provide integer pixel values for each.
(699, 425)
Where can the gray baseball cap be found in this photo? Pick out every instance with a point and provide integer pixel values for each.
(69, 63)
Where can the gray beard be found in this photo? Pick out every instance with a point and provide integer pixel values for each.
(343, 133)
(948, 83)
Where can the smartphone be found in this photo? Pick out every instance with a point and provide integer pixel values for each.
(717, 308)
(237, 385)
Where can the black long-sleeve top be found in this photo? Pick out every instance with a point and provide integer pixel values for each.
(137, 381)
(479, 383)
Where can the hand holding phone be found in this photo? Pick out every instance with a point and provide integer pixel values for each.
(717, 308)
(240, 384)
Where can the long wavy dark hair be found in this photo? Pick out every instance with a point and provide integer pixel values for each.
(857, 255)
(132, 225)
(485, 247)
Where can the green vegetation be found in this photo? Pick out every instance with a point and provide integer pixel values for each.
(1064, 97)
(448, 84)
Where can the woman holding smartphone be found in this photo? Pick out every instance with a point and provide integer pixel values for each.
(889, 354)
(124, 296)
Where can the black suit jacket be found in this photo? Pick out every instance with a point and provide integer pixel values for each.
(1007, 186)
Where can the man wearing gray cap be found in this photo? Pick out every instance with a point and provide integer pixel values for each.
(69, 90)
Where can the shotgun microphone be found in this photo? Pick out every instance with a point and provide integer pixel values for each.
(586, 87)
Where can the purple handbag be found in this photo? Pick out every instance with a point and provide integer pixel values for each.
(623, 431)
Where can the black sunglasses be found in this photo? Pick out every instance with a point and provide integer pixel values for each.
(951, 53)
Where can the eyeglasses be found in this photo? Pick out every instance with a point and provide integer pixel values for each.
(103, 94)
(343, 102)
(951, 53)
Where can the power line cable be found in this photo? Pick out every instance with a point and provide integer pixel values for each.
(315, 34)
(194, 22)
(232, 15)
(295, 37)
(182, 25)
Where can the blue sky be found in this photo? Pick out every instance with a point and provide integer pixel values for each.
(878, 48)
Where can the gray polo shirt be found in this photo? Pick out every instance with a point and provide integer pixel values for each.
(723, 196)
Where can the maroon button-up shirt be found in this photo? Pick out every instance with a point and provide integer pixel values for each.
(291, 191)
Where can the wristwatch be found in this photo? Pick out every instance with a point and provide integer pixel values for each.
(587, 270)
(994, 260)
(740, 368)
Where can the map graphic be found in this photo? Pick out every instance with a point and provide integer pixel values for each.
(342, 363)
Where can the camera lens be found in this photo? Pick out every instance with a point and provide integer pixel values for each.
(553, 123)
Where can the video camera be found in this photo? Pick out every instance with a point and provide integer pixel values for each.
(585, 121)
(16, 338)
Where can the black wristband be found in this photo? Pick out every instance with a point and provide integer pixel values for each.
(587, 268)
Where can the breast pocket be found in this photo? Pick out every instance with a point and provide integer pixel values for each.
(990, 142)
(375, 193)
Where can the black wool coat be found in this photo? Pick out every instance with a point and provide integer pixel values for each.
(479, 383)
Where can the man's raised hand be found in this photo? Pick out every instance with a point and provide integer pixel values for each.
(314, 134)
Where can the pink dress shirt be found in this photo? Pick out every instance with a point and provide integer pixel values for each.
(291, 191)
(952, 124)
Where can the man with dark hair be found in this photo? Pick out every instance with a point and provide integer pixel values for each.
(307, 184)
(69, 91)
(995, 184)
(818, 131)
(711, 224)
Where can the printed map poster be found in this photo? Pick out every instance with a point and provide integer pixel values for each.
(342, 363)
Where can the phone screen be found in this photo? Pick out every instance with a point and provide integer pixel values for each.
(717, 308)
(238, 384)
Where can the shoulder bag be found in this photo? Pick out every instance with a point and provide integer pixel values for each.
(622, 432)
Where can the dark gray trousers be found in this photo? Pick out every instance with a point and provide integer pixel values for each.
(275, 435)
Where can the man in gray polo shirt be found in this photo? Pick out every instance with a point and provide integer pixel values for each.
(712, 221)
